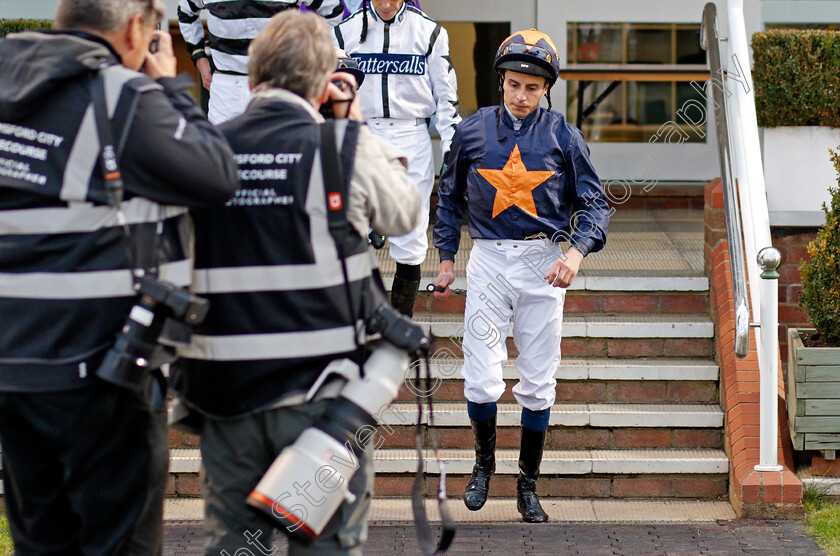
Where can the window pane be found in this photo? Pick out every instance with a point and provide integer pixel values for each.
(648, 103)
(634, 110)
(599, 43)
(688, 46)
(599, 124)
(649, 44)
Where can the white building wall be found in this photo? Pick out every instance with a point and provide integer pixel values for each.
(45, 9)
(522, 14)
(690, 162)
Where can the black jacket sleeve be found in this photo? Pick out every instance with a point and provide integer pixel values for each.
(169, 151)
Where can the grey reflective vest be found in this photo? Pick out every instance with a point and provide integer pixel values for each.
(269, 266)
(65, 282)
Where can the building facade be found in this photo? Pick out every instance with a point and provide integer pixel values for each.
(646, 127)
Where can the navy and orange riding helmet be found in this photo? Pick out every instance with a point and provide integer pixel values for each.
(529, 52)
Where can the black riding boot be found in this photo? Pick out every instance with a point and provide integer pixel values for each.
(530, 456)
(475, 494)
(404, 289)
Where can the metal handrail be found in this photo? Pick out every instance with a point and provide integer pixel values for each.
(740, 154)
(709, 41)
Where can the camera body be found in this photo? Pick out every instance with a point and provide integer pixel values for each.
(327, 109)
(397, 329)
(376, 239)
(136, 347)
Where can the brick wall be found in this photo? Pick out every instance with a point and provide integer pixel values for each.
(752, 493)
(793, 244)
(661, 196)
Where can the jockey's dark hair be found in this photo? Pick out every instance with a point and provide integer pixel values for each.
(364, 20)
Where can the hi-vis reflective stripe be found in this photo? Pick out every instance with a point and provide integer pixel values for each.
(326, 272)
(82, 160)
(117, 76)
(82, 217)
(281, 345)
(86, 147)
(281, 278)
(101, 284)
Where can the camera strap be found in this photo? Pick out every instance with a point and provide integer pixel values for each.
(424, 531)
(114, 186)
(337, 170)
(337, 188)
(336, 176)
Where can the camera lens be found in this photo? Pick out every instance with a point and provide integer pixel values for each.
(343, 85)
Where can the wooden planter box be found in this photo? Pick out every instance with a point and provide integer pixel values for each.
(813, 395)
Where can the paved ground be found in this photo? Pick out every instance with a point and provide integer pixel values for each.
(771, 538)
(501, 510)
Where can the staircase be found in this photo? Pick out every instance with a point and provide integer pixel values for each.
(637, 412)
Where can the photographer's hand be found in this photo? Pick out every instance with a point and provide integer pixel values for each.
(346, 103)
(355, 112)
(163, 62)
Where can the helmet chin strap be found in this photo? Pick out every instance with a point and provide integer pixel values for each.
(501, 107)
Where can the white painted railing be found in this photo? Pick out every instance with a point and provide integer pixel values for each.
(740, 152)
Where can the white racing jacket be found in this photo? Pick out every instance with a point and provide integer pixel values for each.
(231, 25)
(408, 71)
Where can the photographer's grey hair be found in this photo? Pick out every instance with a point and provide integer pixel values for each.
(106, 15)
(294, 52)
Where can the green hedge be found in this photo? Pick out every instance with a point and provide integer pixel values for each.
(797, 78)
(821, 272)
(17, 25)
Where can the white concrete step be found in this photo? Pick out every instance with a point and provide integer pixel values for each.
(500, 510)
(565, 462)
(602, 283)
(591, 326)
(570, 415)
(829, 486)
(571, 462)
(601, 369)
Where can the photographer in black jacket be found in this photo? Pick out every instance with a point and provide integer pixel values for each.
(94, 159)
(283, 307)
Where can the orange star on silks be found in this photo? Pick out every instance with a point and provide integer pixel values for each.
(514, 184)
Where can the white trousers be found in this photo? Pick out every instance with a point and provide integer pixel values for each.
(412, 138)
(229, 96)
(505, 280)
